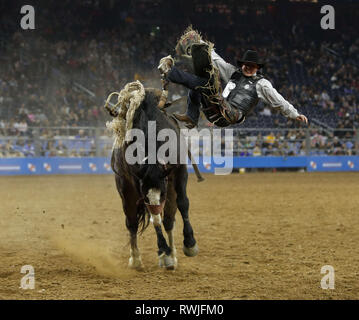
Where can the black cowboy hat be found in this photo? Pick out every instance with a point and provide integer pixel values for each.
(250, 56)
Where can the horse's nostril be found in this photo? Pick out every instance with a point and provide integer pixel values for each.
(155, 209)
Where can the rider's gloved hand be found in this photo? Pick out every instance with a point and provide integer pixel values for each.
(302, 118)
(165, 65)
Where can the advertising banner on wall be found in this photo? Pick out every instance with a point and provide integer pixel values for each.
(98, 165)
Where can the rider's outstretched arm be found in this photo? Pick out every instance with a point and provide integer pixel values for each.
(271, 96)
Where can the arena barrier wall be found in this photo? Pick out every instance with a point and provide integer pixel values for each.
(58, 165)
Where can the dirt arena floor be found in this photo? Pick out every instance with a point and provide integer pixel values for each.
(260, 235)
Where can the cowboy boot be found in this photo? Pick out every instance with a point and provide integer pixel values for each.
(202, 61)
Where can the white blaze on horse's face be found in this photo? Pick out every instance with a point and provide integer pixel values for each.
(154, 196)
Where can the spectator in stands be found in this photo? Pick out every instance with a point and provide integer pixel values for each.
(2, 128)
(61, 149)
(257, 150)
(29, 149)
(269, 139)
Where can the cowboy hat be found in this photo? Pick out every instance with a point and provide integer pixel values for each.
(250, 56)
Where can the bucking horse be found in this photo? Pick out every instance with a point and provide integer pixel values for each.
(150, 192)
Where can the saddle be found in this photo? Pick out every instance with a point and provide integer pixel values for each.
(195, 55)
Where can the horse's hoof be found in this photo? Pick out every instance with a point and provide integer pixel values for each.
(135, 264)
(171, 267)
(191, 252)
(168, 262)
(161, 260)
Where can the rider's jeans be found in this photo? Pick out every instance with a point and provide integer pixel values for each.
(190, 81)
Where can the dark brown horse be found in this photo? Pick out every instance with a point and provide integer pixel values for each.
(149, 192)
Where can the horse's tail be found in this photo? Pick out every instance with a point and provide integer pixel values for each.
(128, 101)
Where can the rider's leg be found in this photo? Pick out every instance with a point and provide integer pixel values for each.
(193, 105)
(192, 114)
(188, 80)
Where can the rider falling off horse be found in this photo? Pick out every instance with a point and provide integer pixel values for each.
(209, 73)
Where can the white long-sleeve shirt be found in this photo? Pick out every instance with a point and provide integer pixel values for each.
(265, 90)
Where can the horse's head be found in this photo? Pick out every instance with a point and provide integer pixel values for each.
(153, 180)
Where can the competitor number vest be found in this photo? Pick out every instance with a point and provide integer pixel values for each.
(241, 92)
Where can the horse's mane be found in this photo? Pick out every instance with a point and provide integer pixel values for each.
(129, 99)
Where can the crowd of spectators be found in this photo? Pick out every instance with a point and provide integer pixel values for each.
(59, 74)
(291, 142)
(294, 143)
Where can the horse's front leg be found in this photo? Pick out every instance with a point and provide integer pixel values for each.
(165, 256)
(172, 246)
(155, 208)
(169, 223)
(190, 247)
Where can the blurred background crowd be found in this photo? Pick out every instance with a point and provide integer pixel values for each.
(59, 74)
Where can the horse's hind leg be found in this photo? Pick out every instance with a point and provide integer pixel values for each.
(135, 261)
(190, 247)
(130, 210)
